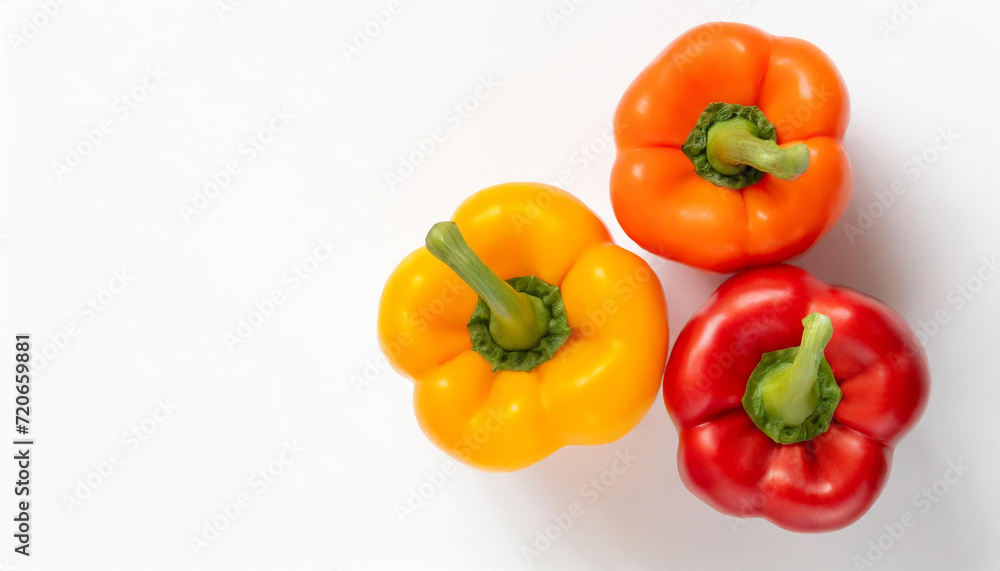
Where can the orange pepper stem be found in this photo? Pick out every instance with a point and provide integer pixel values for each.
(733, 143)
(518, 321)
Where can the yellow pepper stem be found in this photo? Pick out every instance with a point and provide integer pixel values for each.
(518, 321)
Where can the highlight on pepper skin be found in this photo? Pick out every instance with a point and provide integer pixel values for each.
(820, 383)
(730, 149)
(553, 335)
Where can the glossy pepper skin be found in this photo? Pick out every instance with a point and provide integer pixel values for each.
(668, 209)
(816, 485)
(595, 388)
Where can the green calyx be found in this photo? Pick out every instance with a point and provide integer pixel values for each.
(735, 145)
(792, 394)
(518, 324)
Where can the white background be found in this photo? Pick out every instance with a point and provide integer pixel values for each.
(191, 280)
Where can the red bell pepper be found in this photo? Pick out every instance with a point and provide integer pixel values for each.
(789, 396)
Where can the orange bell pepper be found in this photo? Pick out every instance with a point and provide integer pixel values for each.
(569, 350)
(730, 149)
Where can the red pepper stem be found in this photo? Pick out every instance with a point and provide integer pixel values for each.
(518, 321)
(791, 393)
(733, 143)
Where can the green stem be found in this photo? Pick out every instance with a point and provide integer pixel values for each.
(518, 321)
(734, 145)
(791, 394)
(734, 142)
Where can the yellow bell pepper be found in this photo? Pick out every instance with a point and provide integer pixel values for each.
(569, 350)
